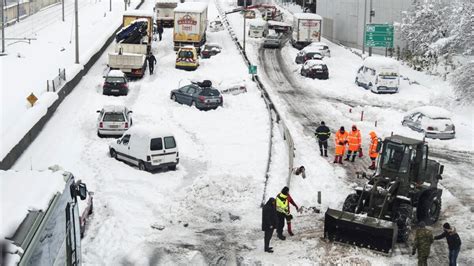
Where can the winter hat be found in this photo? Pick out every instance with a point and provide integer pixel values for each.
(354, 127)
(446, 226)
(421, 224)
(322, 123)
(285, 191)
(342, 129)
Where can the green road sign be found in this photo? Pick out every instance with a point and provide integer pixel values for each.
(253, 69)
(379, 35)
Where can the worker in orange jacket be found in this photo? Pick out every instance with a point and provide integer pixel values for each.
(340, 143)
(354, 140)
(374, 141)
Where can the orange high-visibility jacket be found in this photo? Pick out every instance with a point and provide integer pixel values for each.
(340, 138)
(374, 141)
(354, 140)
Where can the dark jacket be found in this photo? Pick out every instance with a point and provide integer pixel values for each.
(151, 60)
(453, 239)
(160, 28)
(322, 133)
(269, 215)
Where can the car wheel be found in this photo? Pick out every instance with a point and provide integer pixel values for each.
(371, 88)
(141, 166)
(99, 135)
(173, 97)
(113, 154)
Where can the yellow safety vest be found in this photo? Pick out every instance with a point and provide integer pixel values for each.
(282, 203)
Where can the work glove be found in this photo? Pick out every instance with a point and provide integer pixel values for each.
(341, 143)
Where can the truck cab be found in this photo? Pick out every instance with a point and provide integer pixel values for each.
(258, 28)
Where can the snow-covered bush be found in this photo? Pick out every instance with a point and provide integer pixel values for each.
(463, 82)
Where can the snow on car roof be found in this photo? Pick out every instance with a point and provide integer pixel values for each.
(148, 131)
(307, 16)
(116, 73)
(191, 7)
(314, 62)
(258, 22)
(278, 23)
(114, 108)
(432, 111)
(380, 62)
(138, 13)
(26, 190)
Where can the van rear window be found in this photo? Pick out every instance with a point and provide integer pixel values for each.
(114, 117)
(170, 143)
(156, 144)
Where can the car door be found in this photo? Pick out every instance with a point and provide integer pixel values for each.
(190, 95)
(170, 149)
(157, 152)
(181, 94)
(413, 120)
(123, 148)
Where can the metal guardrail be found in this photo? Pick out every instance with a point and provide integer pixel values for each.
(273, 113)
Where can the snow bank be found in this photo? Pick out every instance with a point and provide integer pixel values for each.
(25, 190)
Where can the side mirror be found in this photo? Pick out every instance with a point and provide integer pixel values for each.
(441, 169)
(130, 111)
(104, 77)
(98, 111)
(82, 191)
(379, 147)
(119, 141)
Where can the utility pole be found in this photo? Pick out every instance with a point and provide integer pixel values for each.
(62, 2)
(76, 15)
(365, 26)
(3, 27)
(125, 2)
(372, 13)
(245, 24)
(110, 6)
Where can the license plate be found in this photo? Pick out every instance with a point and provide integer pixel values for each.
(114, 90)
(113, 126)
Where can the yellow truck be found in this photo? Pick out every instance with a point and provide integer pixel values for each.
(190, 23)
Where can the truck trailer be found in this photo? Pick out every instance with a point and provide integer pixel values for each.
(190, 23)
(306, 29)
(133, 43)
(164, 11)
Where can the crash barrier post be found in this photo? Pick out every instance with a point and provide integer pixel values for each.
(272, 111)
(319, 197)
(362, 116)
(68, 87)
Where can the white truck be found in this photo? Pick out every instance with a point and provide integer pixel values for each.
(42, 224)
(190, 23)
(306, 29)
(130, 57)
(164, 10)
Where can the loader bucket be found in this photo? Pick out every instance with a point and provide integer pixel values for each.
(360, 230)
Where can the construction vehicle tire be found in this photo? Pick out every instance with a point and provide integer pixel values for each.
(429, 208)
(402, 217)
(350, 204)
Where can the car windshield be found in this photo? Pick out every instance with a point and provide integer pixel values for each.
(394, 76)
(114, 117)
(114, 79)
(395, 158)
(185, 54)
(252, 27)
(272, 37)
(209, 92)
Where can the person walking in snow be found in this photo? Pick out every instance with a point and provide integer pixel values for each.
(340, 141)
(151, 62)
(269, 223)
(160, 29)
(283, 211)
(422, 244)
(322, 133)
(354, 140)
(454, 242)
(374, 141)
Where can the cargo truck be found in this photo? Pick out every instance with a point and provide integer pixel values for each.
(164, 11)
(306, 29)
(190, 23)
(133, 43)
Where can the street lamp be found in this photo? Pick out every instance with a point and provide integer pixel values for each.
(245, 24)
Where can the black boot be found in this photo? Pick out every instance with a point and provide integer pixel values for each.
(347, 158)
(353, 158)
(325, 153)
(281, 237)
(321, 151)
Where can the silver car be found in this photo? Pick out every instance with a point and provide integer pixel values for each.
(273, 40)
(113, 120)
(433, 121)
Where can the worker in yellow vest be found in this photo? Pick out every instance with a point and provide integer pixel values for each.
(283, 212)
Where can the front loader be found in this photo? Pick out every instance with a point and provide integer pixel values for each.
(404, 189)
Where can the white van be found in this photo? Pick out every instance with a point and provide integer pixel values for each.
(258, 28)
(149, 148)
(379, 74)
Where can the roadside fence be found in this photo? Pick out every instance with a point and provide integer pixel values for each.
(56, 83)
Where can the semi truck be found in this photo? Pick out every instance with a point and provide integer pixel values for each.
(133, 43)
(43, 224)
(190, 23)
(306, 29)
(164, 11)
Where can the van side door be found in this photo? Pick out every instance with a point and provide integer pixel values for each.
(123, 149)
(171, 149)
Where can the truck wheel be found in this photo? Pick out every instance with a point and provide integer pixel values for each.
(350, 204)
(429, 208)
(402, 217)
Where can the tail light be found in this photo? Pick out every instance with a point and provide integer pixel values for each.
(202, 98)
(430, 128)
(222, 99)
(125, 85)
(148, 158)
(101, 125)
(126, 124)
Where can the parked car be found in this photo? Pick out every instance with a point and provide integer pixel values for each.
(273, 40)
(216, 25)
(434, 122)
(210, 49)
(304, 55)
(199, 94)
(379, 75)
(187, 58)
(113, 120)
(148, 148)
(315, 69)
(321, 46)
(115, 83)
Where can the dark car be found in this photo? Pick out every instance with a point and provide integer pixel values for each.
(305, 55)
(210, 49)
(315, 69)
(115, 83)
(199, 94)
